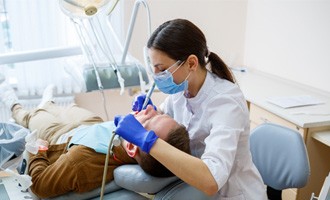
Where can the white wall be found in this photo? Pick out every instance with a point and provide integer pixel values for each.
(222, 21)
(290, 39)
(286, 38)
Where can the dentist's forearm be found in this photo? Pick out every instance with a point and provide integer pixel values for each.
(190, 169)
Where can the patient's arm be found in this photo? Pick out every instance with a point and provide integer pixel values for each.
(78, 170)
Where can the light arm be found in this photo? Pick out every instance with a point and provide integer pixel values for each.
(131, 26)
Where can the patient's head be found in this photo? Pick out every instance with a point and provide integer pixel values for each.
(177, 137)
(165, 128)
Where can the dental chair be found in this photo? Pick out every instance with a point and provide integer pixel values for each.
(280, 155)
(130, 180)
(112, 191)
(133, 178)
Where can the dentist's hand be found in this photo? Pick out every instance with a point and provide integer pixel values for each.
(138, 103)
(131, 130)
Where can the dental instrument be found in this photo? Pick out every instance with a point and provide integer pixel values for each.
(148, 96)
(114, 141)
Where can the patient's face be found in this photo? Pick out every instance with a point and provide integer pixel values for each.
(161, 124)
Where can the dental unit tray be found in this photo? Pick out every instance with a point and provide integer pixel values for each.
(129, 72)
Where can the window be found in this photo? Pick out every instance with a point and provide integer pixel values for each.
(38, 28)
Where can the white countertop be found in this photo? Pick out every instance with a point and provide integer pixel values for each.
(322, 136)
(258, 86)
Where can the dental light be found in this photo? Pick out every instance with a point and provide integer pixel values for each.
(109, 64)
(84, 15)
(85, 8)
(106, 69)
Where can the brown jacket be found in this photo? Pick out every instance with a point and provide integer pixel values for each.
(80, 169)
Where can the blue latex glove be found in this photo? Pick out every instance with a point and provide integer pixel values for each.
(131, 130)
(138, 103)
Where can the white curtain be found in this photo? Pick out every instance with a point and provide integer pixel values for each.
(29, 25)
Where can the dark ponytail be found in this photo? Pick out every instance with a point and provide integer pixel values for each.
(220, 68)
(179, 38)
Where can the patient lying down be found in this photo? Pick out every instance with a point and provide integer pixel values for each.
(78, 141)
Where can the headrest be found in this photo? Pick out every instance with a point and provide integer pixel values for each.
(132, 177)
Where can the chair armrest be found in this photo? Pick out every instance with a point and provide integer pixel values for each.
(132, 177)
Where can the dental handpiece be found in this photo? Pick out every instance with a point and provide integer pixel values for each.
(116, 141)
(148, 96)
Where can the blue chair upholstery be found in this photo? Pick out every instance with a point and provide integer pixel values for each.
(133, 178)
(180, 190)
(122, 195)
(280, 155)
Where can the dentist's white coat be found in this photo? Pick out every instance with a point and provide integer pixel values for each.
(217, 119)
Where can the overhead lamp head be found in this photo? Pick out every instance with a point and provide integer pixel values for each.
(90, 10)
(82, 8)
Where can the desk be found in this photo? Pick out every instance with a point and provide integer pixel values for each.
(323, 136)
(257, 87)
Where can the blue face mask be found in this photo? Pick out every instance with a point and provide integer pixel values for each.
(165, 83)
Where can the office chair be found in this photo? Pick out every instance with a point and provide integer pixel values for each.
(279, 154)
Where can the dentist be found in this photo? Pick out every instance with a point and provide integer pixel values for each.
(205, 99)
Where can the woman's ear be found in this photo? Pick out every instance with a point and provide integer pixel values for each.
(131, 149)
(192, 61)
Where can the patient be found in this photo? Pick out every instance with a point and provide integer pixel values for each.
(78, 141)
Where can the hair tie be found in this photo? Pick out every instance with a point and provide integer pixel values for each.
(208, 53)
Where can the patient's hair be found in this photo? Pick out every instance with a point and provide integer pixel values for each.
(178, 137)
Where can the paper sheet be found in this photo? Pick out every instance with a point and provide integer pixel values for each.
(294, 101)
